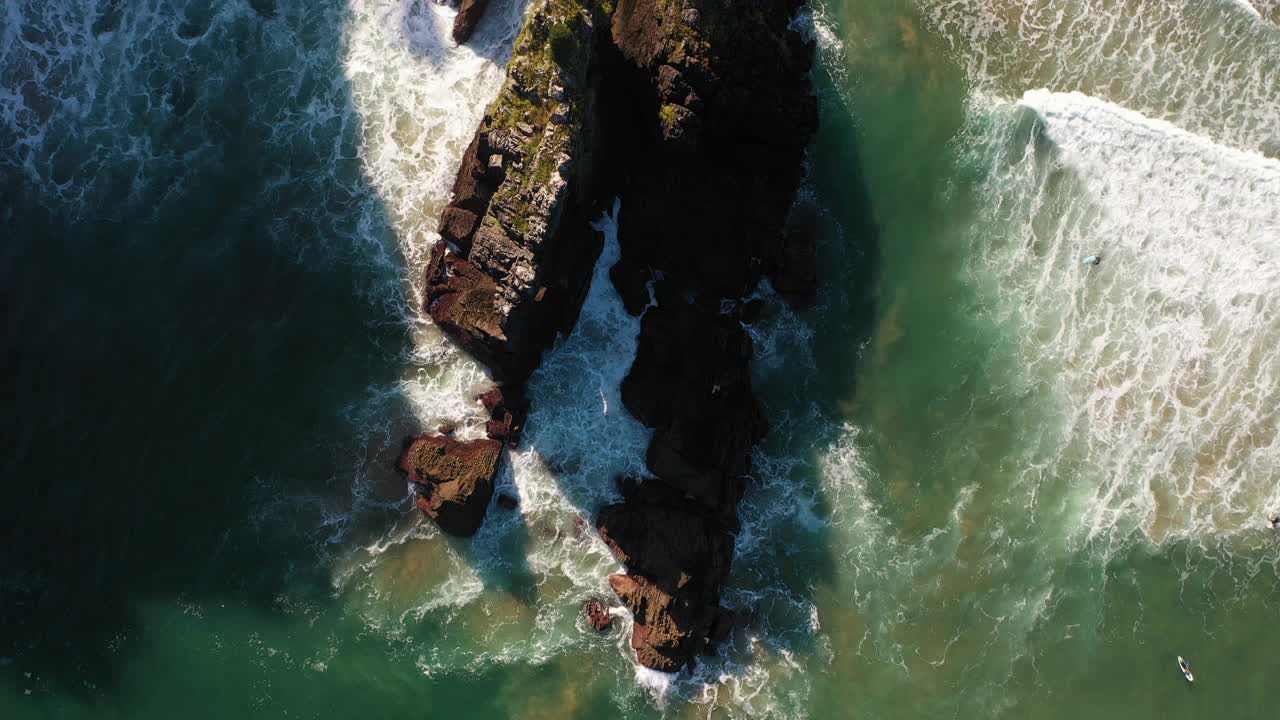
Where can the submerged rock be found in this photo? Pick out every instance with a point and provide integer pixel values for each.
(454, 479)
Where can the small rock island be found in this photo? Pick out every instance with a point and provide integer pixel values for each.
(697, 114)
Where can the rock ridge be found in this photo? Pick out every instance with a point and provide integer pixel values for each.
(697, 113)
(515, 254)
(721, 110)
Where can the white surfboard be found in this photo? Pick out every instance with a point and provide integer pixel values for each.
(1186, 669)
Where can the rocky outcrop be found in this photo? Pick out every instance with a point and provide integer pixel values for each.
(691, 382)
(507, 407)
(515, 254)
(516, 251)
(720, 111)
(597, 615)
(697, 113)
(677, 557)
(453, 479)
(468, 17)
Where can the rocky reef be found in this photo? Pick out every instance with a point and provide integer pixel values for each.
(721, 110)
(697, 113)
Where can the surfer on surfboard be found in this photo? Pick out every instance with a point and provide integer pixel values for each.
(1185, 667)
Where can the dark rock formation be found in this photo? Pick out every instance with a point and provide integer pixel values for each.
(722, 111)
(677, 558)
(751, 311)
(508, 502)
(516, 250)
(697, 113)
(691, 382)
(719, 110)
(631, 280)
(454, 479)
(507, 407)
(265, 8)
(468, 17)
(597, 615)
(796, 276)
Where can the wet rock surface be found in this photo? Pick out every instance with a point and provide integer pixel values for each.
(691, 382)
(697, 114)
(507, 407)
(453, 479)
(516, 251)
(721, 110)
(597, 615)
(468, 17)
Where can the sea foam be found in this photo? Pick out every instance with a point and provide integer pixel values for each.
(1163, 358)
(1207, 67)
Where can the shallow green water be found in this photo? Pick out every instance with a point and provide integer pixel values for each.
(989, 583)
(997, 484)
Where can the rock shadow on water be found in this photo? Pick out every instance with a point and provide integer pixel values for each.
(185, 336)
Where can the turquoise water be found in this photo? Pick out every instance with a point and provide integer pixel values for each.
(998, 483)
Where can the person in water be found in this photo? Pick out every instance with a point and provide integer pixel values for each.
(1274, 520)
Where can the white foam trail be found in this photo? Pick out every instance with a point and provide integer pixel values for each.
(814, 21)
(1164, 358)
(420, 98)
(658, 684)
(574, 447)
(1203, 64)
(1248, 7)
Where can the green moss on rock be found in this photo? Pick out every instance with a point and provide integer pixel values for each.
(541, 106)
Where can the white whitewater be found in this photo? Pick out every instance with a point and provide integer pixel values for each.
(1268, 10)
(1207, 66)
(1164, 358)
(1248, 7)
